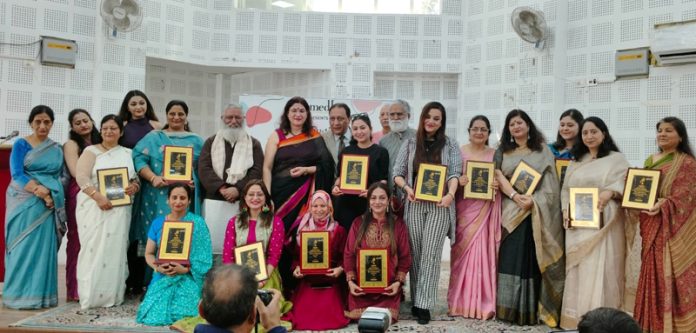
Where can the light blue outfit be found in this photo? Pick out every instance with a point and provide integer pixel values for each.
(565, 154)
(149, 152)
(170, 298)
(33, 231)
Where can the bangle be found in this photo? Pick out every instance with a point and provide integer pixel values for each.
(450, 193)
(512, 195)
(91, 194)
(153, 178)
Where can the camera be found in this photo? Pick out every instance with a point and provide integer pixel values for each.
(265, 296)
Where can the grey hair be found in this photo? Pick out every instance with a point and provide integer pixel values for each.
(404, 105)
(233, 106)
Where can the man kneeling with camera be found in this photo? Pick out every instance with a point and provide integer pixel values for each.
(232, 302)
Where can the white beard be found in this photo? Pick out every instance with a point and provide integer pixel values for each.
(398, 125)
(231, 135)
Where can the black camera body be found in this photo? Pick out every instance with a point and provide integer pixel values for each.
(265, 296)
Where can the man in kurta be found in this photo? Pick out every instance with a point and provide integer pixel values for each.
(228, 160)
(399, 116)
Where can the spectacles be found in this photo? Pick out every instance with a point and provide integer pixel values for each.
(397, 115)
(479, 130)
(361, 115)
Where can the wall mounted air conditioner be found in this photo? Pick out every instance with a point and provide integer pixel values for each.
(674, 43)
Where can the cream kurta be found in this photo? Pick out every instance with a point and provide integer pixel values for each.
(594, 258)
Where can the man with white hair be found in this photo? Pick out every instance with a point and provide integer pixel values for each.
(229, 159)
(399, 114)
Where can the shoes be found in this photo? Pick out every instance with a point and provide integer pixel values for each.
(414, 311)
(72, 300)
(423, 316)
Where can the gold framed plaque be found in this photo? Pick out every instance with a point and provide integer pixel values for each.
(430, 182)
(583, 208)
(178, 164)
(112, 185)
(354, 173)
(315, 252)
(480, 176)
(253, 257)
(373, 270)
(561, 167)
(525, 178)
(640, 190)
(175, 243)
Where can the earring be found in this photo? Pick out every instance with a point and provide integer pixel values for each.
(369, 210)
(512, 139)
(527, 136)
(265, 209)
(244, 210)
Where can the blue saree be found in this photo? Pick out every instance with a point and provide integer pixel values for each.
(32, 231)
(170, 298)
(149, 152)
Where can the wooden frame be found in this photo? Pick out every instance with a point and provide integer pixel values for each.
(315, 252)
(354, 173)
(112, 184)
(430, 182)
(373, 270)
(561, 167)
(481, 175)
(640, 190)
(253, 257)
(173, 246)
(583, 211)
(175, 169)
(525, 178)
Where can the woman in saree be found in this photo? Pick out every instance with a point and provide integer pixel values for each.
(665, 300)
(175, 289)
(474, 255)
(82, 134)
(595, 258)
(377, 228)
(325, 292)
(531, 261)
(568, 134)
(34, 217)
(296, 162)
(103, 228)
(148, 158)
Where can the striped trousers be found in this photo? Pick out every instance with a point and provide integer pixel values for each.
(427, 229)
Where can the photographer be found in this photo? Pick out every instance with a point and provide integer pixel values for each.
(229, 302)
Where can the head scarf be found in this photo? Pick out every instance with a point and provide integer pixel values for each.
(308, 223)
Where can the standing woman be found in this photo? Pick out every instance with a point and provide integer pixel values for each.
(83, 133)
(35, 217)
(103, 229)
(568, 134)
(665, 301)
(428, 222)
(531, 262)
(148, 158)
(594, 257)
(350, 206)
(474, 255)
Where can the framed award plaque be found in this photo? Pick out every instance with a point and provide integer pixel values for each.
(373, 270)
(175, 243)
(640, 190)
(430, 182)
(480, 176)
(178, 164)
(354, 173)
(253, 257)
(112, 185)
(315, 252)
(583, 208)
(525, 178)
(561, 167)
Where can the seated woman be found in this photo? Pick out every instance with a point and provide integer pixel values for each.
(377, 228)
(175, 289)
(325, 292)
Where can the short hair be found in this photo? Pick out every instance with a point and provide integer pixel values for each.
(607, 320)
(41, 109)
(233, 106)
(483, 119)
(341, 105)
(115, 118)
(404, 105)
(228, 296)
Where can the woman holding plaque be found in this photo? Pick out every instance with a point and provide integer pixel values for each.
(474, 255)
(34, 218)
(175, 289)
(322, 291)
(149, 161)
(103, 228)
(594, 256)
(428, 222)
(531, 262)
(83, 133)
(664, 301)
(377, 228)
(350, 206)
(568, 134)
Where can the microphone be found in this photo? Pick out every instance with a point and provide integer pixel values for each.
(10, 136)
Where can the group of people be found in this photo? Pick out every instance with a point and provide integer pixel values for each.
(516, 257)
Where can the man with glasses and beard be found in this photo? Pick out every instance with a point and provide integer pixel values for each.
(399, 115)
(229, 159)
